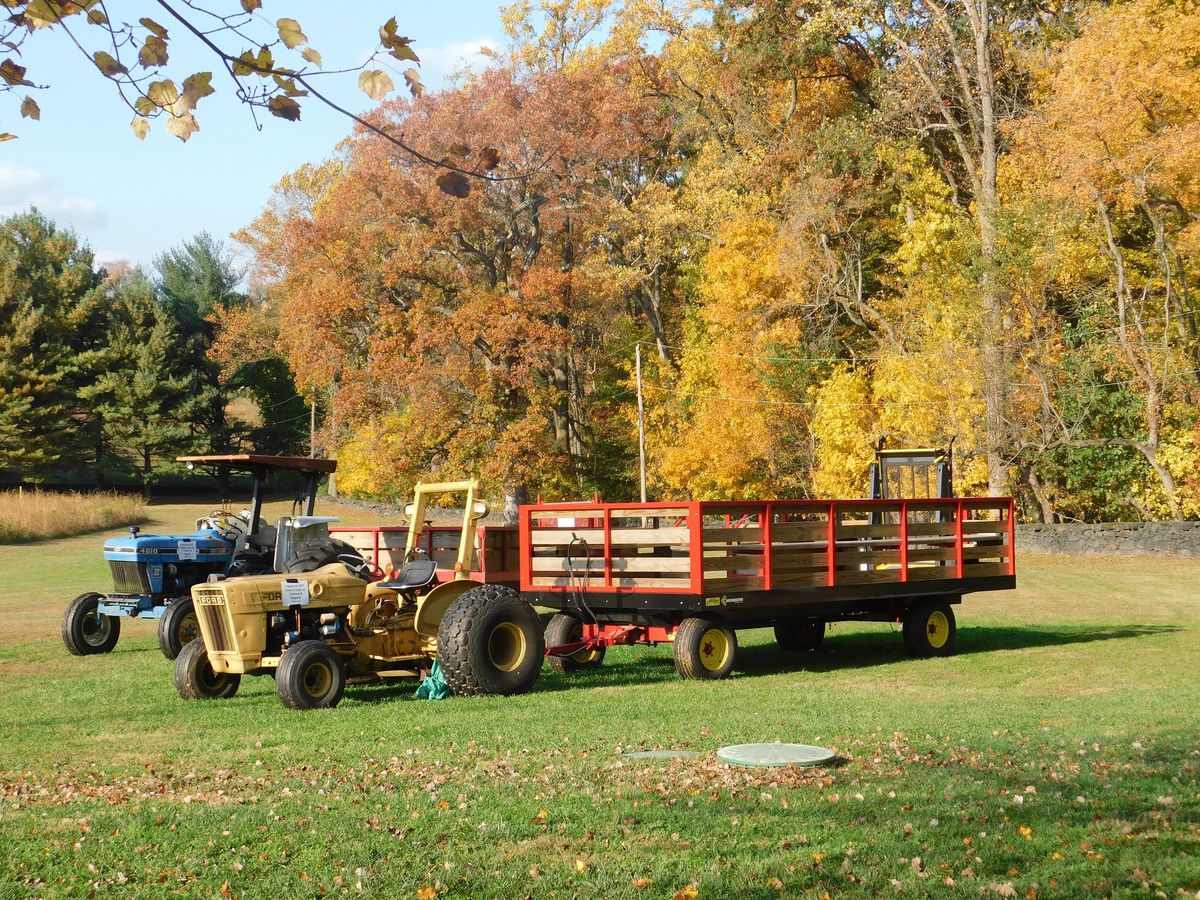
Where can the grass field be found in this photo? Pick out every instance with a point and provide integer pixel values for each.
(1055, 756)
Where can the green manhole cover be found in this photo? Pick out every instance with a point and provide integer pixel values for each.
(661, 754)
(775, 755)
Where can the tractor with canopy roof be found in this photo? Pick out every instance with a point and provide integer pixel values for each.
(154, 573)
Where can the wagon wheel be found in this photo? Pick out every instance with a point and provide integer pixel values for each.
(800, 637)
(930, 629)
(567, 629)
(704, 649)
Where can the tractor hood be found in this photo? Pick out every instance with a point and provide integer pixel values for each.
(200, 546)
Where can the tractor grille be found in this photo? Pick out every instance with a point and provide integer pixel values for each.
(210, 607)
(129, 577)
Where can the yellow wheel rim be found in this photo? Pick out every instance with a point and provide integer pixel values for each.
(318, 679)
(189, 629)
(587, 654)
(714, 649)
(937, 629)
(506, 646)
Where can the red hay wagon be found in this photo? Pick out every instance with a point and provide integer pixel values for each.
(693, 573)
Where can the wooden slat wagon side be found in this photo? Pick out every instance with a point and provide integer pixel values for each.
(693, 573)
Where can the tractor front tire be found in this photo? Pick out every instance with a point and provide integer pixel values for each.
(929, 629)
(177, 627)
(704, 649)
(310, 676)
(195, 678)
(85, 631)
(490, 642)
(565, 628)
(800, 637)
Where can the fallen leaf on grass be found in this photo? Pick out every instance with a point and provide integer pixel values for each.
(426, 893)
(691, 892)
(641, 883)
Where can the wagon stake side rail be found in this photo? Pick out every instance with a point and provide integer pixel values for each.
(634, 572)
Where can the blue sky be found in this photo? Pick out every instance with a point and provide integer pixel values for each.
(130, 199)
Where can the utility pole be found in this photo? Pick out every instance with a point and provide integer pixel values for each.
(641, 419)
(312, 427)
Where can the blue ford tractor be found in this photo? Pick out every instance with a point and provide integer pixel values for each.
(153, 573)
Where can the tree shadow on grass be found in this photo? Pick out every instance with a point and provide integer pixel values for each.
(839, 652)
(871, 649)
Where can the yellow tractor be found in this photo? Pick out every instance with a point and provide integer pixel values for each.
(317, 631)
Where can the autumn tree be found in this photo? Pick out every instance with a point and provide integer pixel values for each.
(1112, 144)
(475, 313)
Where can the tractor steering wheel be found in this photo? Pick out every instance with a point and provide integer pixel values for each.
(226, 524)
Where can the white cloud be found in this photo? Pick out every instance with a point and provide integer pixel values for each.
(438, 63)
(17, 181)
(22, 187)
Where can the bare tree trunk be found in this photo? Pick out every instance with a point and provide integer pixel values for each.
(561, 412)
(649, 297)
(515, 494)
(147, 466)
(1046, 512)
(994, 357)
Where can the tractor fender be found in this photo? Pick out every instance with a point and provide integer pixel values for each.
(432, 606)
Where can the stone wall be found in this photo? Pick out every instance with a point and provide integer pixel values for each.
(1112, 539)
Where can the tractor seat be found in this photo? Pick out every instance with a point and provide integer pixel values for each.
(416, 574)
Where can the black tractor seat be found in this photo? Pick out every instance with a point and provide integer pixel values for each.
(416, 574)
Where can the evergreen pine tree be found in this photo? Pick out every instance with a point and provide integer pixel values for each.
(149, 395)
(52, 310)
(194, 279)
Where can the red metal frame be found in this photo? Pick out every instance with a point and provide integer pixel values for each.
(480, 573)
(697, 510)
(596, 636)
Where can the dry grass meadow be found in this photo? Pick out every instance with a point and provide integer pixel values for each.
(32, 514)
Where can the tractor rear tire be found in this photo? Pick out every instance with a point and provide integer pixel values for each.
(929, 629)
(490, 642)
(704, 649)
(85, 631)
(565, 628)
(177, 627)
(314, 558)
(195, 678)
(800, 637)
(310, 676)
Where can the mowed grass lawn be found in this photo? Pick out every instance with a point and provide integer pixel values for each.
(1055, 756)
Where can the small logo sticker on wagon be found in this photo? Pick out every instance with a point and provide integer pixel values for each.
(721, 601)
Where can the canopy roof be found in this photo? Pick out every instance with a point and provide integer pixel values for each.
(252, 461)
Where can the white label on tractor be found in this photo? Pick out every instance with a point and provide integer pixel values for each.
(187, 549)
(295, 593)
